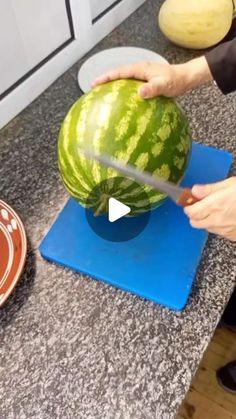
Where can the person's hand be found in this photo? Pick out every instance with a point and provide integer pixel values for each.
(162, 79)
(216, 212)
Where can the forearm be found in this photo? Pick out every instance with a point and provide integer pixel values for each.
(219, 65)
(174, 80)
(195, 72)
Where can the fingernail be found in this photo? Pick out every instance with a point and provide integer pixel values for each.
(143, 92)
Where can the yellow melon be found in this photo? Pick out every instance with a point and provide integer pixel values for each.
(196, 24)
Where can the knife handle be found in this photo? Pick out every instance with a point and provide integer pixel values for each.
(187, 198)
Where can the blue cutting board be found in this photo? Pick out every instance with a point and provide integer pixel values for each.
(160, 264)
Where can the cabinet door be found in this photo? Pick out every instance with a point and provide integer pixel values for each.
(98, 6)
(43, 38)
(32, 30)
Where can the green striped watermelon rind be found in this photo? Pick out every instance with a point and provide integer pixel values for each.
(154, 135)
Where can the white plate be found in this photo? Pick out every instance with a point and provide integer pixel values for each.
(111, 58)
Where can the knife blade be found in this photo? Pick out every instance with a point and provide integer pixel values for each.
(180, 195)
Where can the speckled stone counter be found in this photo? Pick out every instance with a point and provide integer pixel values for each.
(73, 347)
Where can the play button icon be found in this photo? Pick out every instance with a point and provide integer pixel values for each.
(117, 223)
(116, 210)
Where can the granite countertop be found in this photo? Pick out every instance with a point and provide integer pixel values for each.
(73, 347)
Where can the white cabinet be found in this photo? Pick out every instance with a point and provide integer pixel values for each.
(31, 31)
(98, 6)
(40, 39)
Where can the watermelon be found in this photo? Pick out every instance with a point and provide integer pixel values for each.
(151, 134)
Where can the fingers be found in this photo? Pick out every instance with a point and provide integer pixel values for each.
(161, 80)
(211, 224)
(157, 86)
(214, 198)
(227, 232)
(200, 210)
(136, 71)
(201, 191)
(216, 212)
(206, 223)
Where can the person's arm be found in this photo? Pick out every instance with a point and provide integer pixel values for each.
(219, 64)
(216, 210)
(222, 63)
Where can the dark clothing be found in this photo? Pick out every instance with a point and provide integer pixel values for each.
(229, 316)
(222, 63)
(226, 377)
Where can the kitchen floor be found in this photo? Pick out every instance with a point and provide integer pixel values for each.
(205, 398)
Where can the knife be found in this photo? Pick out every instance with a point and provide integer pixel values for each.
(181, 196)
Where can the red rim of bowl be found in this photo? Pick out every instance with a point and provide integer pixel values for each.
(20, 266)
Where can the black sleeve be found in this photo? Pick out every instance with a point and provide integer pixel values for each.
(222, 63)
